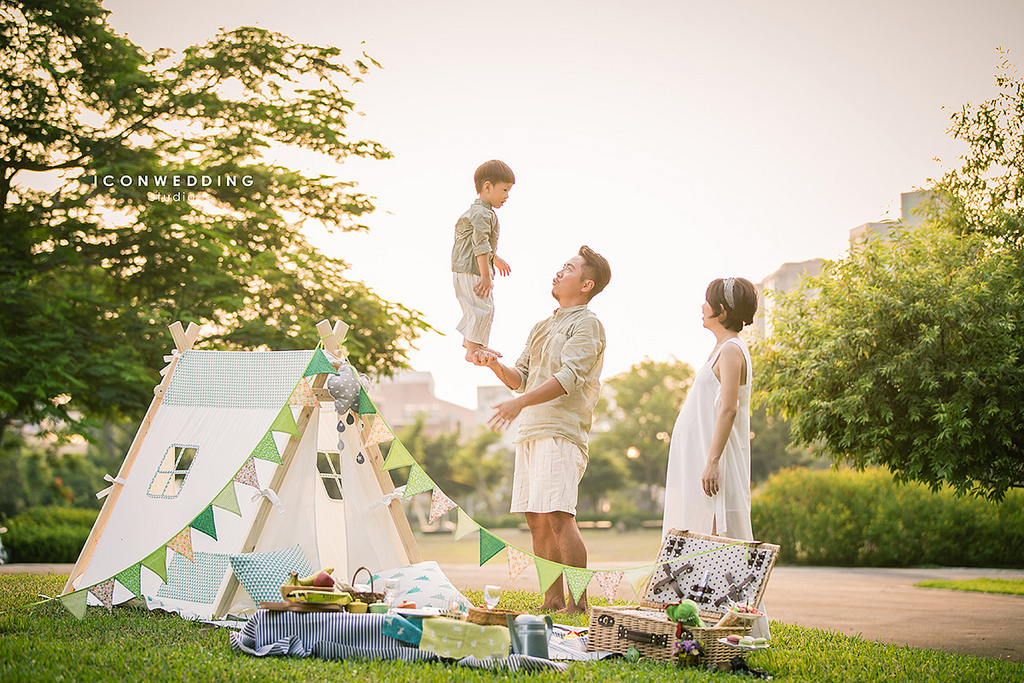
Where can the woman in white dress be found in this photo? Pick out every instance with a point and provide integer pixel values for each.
(707, 488)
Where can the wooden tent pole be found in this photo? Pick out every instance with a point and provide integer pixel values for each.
(183, 341)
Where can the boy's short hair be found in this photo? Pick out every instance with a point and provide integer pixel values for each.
(737, 297)
(595, 268)
(494, 171)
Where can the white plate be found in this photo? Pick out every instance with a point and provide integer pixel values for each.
(745, 616)
(725, 641)
(417, 611)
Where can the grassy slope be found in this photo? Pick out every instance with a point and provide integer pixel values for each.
(1006, 586)
(46, 643)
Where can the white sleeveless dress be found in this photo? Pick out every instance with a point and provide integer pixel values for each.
(686, 505)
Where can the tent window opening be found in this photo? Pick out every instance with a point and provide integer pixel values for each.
(329, 467)
(173, 471)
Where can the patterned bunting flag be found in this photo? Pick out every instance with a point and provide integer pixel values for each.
(490, 545)
(547, 572)
(439, 504)
(366, 406)
(75, 603)
(303, 394)
(285, 422)
(379, 432)
(131, 578)
(182, 544)
(578, 580)
(465, 525)
(609, 582)
(156, 562)
(418, 482)
(104, 592)
(637, 577)
(247, 475)
(204, 522)
(517, 562)
(266, 449)
(227, 500)
(319, 364)
(398, 456)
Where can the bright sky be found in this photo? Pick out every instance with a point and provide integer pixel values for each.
(685, 140)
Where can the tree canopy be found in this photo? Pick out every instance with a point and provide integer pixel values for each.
(136, 189)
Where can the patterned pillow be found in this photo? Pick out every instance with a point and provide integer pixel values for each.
(262, 574)
(424, 584)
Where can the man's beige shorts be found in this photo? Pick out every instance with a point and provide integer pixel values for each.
(547, 475)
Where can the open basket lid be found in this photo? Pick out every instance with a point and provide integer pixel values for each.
(713, 571)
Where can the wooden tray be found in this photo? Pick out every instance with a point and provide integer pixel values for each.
(292, 606)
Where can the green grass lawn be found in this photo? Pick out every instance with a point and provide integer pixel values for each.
(630, 549)
(46, 643)
(1007, 586)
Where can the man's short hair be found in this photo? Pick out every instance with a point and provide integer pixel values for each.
(494, 171)
(595, 268)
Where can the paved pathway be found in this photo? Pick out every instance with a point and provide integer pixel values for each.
(878, 604)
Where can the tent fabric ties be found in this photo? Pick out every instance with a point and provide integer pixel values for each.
(388, 497)
(113, 480)
(269, 494)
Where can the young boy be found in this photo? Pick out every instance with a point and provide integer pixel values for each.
(474, 259)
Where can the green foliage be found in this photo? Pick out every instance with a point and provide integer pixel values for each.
(909, 356)
(48, 534)
(91, 272)
(866, 519)
(46, 643)
(772, 449)
(983, 585)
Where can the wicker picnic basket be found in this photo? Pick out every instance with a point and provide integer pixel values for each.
(490, 617)
(618, 628)
(369, 597)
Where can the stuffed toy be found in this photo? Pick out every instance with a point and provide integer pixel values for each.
(686, 613)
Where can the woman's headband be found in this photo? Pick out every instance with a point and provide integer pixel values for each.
(729, 301)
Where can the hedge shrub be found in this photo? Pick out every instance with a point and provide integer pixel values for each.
(865, 519)
(48, 534)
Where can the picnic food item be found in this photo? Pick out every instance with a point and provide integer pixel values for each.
(733, 639)
(746, 641)
(319, 596)
(356, 607)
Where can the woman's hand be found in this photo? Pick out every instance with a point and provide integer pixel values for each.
(709, 480)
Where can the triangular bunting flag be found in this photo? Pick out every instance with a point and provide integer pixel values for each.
(366, 406)
(266, 449)
(578, 580)
(464, 526)
(247, 475)
(609, 582)
(319, 364)
(131, 578)
(285, 422)
(227, 500)
(439, 504)
(104, 592)
(204, 523)
(490, 545)
(418, 482)
(379, 432)
(75, 603)
(547, 572)
(518, 561)
(182, 544)
(156, 562)
(637, 577)
(398, 456)
(303, 394)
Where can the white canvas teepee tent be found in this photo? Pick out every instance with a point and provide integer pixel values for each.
(242, 455)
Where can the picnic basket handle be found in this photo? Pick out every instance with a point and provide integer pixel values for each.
(642, 637)
(363, 569)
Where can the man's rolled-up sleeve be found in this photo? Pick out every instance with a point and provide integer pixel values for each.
(581, 351)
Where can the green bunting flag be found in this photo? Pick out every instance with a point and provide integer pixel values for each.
(156, 562)
(637, 577)
(366, 406)
(547, 572)
(131, 579)
(464, 526)
(490, 545)
(578, 580)
(418, 481)
(266, 449)
(204, 523)
(398, 456)
(319, 364)
(285, 422)
(75, 603)
(227, 500)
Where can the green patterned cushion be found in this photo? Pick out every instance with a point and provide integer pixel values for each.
(424, 584)
(262, 574)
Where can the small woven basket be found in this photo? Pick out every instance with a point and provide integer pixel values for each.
(370, 597)
(490, 617)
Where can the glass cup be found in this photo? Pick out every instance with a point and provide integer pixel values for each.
(492, 594)
(391, 591)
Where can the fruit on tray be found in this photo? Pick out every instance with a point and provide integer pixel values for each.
(320, 597)
(320, 579)
(745, 609)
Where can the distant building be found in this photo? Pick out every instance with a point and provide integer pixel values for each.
(910, 202)
(409, 395)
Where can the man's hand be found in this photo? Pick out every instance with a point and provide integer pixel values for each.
(504, 413)
(502, 265)
(483, 287)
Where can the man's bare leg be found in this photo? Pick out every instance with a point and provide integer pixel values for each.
(573, 553)
(545, 545)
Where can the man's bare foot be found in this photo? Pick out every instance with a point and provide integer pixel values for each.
(555, 607)
(577, 609)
